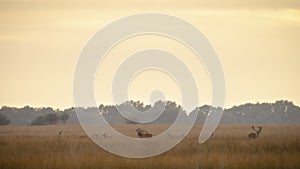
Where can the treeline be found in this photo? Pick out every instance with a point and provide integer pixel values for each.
(169, 109)
(33, 116)
(50, 118)
(281, 111)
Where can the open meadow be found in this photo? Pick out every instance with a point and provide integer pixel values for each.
(40, 147)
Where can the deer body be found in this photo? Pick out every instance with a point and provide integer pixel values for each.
(143, 133)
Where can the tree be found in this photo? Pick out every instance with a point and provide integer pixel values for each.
(52, 118)
(4, 120)
(64, 117)
(40, 120)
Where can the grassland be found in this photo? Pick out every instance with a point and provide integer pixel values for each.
(39, 147)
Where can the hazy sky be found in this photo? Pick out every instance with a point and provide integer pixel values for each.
(40, 41)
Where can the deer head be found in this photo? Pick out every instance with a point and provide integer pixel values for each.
(257, 132)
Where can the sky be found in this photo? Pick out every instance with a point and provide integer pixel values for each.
(40, 41)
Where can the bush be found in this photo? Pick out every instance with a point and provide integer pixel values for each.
(40, 120)
(52, 118)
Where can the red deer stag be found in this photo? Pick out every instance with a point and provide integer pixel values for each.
(143, 133)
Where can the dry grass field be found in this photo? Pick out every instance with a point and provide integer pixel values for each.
(39, 147)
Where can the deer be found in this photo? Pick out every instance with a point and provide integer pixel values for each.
(143, 133)
(257, 132)
(59, 133)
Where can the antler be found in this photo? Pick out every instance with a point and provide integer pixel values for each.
(260, 128)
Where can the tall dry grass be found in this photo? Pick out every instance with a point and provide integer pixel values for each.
(228, 148)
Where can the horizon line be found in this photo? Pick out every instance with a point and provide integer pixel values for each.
(106, 104)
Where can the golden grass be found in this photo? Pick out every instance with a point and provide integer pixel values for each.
(38, 147)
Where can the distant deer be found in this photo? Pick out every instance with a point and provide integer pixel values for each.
(59, 133)
(143, 133)
(256, 134)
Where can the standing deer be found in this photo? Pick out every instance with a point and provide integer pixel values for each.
(143, 133)
(59, 133)
(256, 134)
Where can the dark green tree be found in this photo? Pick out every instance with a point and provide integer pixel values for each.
(40, 120)
(52, 118)
(64, 117)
